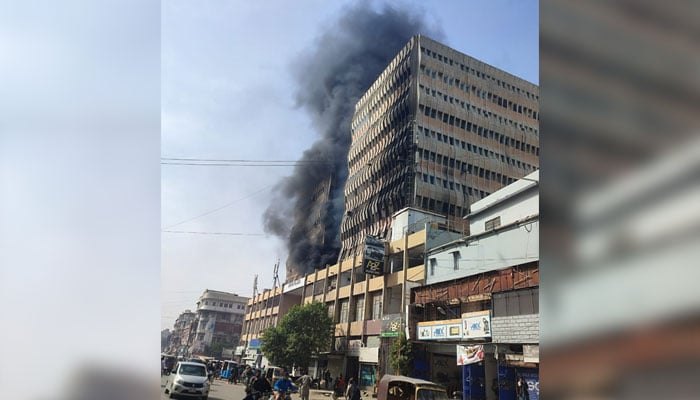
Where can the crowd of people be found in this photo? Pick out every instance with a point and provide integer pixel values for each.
(259, 387)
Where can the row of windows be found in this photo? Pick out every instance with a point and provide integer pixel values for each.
(483, 94)
(466, 189)
(238, 306)
(479, 130)
(447, 208)
(477, 150)
(503, 120)
(478, 73)
(399, 60)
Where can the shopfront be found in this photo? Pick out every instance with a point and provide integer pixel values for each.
(458, 354)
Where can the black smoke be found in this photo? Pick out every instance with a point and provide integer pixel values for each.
(332, 76)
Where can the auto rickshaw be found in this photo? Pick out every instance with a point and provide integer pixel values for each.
(397, 387)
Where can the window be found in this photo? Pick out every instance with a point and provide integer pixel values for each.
(344, 310)
(331, 311)
(360, 308)
(433, 265)
(455, 260)
(377, 306)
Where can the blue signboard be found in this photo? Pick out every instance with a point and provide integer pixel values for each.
(532, 378)
(506, 383)
(474, 385)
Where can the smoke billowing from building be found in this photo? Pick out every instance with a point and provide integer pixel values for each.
(307, 207)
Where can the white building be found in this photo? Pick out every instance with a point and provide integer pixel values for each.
(482, 293)
(219, 320)
(504, 231)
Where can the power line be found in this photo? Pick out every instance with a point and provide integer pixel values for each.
(203, 162)
(217, 233)
(218, 208)
(241, 161)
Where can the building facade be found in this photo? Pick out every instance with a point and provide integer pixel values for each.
(180, 337)
(437, 131)
(366, 308)
(219, 321)
(482, 295)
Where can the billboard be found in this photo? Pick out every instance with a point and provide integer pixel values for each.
(373, 261)
(476, 324)
(391, 325)
(469, 354)
(438, 330)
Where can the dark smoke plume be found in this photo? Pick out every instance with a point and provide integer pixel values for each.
(332, 77)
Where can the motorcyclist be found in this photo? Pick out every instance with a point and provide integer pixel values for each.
(261, 386)
(283, 387)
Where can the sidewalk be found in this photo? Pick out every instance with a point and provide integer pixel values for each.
(320, 394)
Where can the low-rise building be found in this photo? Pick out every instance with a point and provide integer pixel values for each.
(477, 318)
(219, 320)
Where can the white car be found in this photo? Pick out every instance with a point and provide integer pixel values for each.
(189, 379)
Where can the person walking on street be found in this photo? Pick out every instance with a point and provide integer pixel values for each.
(353, 392)
(327, 378)
(521, 391)
(304, 386)
(339, 387)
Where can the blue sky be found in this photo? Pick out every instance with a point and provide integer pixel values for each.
(228, 93)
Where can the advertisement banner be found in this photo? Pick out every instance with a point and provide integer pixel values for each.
(295, 284)
(440, 330)
(373, 262)
(391, 325)
(531, 353)
(469, 354)
(476, 325)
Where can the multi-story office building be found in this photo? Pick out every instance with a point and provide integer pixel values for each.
(437, 131)
(219, 320)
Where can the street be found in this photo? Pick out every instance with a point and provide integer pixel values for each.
(222, 390)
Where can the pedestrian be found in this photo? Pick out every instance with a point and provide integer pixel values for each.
(339, 387)
(353, 391)
(327, 377)
(521, 390)
(304, 386)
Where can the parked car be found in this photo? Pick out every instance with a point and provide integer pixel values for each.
(188, 379)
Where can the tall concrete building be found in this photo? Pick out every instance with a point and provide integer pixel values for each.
(219, 320)
(436, 131)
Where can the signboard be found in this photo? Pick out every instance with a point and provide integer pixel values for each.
(440, 330)
(254, 344)
(295, 284)
(373, 262)
(369, 355)
(476, 325)
(532, 378)
(391, 325)
(531, 353)
(469, 354)
(354, 348)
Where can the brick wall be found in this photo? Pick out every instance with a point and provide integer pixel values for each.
(516, 329)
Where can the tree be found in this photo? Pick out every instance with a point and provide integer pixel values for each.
(300, 335)
(214, 350)
(401, 355)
